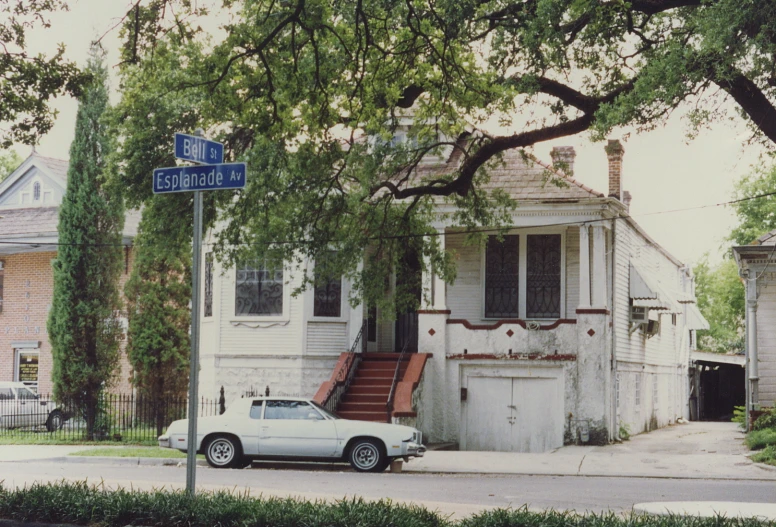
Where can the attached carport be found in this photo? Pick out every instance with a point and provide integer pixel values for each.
(717, 384)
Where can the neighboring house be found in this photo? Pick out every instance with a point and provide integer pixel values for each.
(576, 326)
(757, 267)
(29, 205)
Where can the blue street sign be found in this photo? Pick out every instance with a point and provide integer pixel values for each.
(198, 149)
(202, 177)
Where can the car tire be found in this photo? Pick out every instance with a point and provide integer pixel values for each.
(223, 452)
(55, 421)
(367, 455)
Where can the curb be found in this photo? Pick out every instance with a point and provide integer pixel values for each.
(407, 469)
(140, 461)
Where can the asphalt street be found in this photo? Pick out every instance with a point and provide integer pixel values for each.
(459, 494)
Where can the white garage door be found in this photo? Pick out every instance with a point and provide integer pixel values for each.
(513, 414)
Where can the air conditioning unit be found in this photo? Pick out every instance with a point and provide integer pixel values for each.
(652, 329)
(638, 315)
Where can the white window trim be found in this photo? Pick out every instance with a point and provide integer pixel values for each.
(523, 272)
(16, 358)
(309, 300)
(237, 319)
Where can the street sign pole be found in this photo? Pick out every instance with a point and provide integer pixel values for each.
(210, 173)
(191, 451)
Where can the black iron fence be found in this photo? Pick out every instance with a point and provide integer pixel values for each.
(120, 417)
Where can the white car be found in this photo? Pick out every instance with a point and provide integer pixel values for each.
(293, 428)
(21, 408)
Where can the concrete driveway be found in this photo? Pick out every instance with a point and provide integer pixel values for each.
(702, 450)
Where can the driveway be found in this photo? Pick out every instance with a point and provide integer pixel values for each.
(702, 450)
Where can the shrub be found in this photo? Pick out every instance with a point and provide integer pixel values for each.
(739, 416)
(759, 439)
(766, 420)
(766, 455)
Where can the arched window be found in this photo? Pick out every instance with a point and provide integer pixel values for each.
(36, 191)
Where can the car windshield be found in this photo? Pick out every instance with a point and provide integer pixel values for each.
(25, 393)
(324, 411)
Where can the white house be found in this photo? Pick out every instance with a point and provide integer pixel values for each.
(757, 267)
(578, 325)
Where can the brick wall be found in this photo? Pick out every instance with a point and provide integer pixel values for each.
(27, 293)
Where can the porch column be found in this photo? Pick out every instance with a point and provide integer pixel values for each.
(357, 315)
(753, 376)
(584, 267)
(439, 288)
(427, 285)
(599, 267)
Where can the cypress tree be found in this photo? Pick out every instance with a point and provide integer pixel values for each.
(84, 326)
(158, 294)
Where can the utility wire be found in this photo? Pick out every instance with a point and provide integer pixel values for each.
(419, 235)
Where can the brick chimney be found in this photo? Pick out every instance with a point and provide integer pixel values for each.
(563, 159)
(614, 152)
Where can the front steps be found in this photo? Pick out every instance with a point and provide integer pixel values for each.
(367, 397)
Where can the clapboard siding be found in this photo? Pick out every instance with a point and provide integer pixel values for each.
(766, 345)
(282, 336)
(464, 296)
(326, 337)
(665, 348)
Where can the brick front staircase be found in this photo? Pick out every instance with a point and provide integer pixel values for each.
(367, 397)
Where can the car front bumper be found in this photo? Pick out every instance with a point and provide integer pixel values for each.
(415, 450)
(164, 441)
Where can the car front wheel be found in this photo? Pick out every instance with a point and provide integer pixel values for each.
(55, 421)
(367, 455)
(223, 452)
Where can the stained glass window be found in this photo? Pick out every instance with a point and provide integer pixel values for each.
(501, 277)
(543, 276)
(328, 298)
(208, 284)
(258, 290)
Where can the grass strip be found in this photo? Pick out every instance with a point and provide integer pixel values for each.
(82, 504)
(149, 452)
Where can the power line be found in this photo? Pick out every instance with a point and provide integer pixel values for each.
(419, 235)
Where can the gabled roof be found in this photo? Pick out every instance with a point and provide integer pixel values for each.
(32, 221)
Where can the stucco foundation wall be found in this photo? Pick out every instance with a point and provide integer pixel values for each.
(561, 340)
(458, 370)
(644, 405)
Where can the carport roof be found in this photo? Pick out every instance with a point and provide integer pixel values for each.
(717, 358)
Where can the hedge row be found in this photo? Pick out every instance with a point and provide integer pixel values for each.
(82, 504)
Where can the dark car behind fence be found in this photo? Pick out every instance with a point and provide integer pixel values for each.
(121, 417)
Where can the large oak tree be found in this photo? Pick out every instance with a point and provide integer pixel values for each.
(315, 94)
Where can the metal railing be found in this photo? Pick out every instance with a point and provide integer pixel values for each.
(396, 372)
(347, 371)
(120, 417)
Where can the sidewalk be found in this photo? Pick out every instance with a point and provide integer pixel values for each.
(688, 451)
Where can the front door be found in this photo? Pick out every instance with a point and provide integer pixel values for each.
(514, 414)
(296, 429)
(409, 278)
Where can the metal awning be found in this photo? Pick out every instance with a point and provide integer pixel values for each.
(694, 318)
(647, 291)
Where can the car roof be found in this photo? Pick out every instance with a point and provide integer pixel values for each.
(12, 384)
(278, 398)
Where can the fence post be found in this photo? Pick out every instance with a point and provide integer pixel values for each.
(221, 402)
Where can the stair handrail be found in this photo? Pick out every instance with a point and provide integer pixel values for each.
(346, 373)
(396, 375)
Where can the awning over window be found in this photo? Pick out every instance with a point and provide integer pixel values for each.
(647, 291)
(694, 317)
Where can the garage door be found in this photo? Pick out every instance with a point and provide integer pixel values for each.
(513, 414)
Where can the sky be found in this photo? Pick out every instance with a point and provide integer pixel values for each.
(662, 169)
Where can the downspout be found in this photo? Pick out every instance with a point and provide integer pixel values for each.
(753, 403)
(613, 359)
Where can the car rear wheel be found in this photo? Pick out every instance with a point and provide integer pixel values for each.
(223, 452)
(55, 421)
(368, 455)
